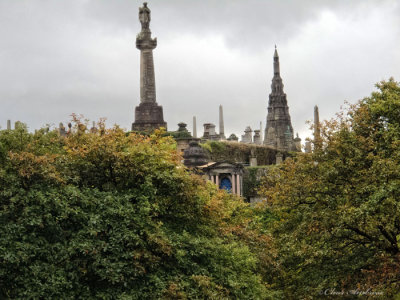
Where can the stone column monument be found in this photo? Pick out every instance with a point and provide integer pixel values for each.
(194, 127)
(148, 115)
(221, 124)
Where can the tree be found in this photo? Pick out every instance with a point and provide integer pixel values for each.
(115, 215)
(338, 209)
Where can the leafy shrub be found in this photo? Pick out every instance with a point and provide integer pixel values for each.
(109, 215)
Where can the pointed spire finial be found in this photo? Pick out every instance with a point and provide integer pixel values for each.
(276, 52)
(276, 62)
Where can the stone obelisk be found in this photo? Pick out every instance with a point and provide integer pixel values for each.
(194, 127)
(148, 115)
(221, 124)
(317, 129)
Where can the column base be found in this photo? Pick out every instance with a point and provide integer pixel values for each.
(148, 117)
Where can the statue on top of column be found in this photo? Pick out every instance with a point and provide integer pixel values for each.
(144, 16)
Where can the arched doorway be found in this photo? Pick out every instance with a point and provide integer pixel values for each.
(226, 184)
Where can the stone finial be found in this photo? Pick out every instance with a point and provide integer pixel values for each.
(182, 126)
(276, 62)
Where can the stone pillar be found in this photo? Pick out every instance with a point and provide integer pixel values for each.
(8, 124)
(238, 188)
(233, 180)
(194, 127)
(221, 124)
(217, 180)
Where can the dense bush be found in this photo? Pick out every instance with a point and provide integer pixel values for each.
(109, 215)
(337, 210)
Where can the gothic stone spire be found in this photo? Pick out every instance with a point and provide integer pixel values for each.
(279, 130)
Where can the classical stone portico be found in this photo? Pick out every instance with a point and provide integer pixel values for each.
(225, 175)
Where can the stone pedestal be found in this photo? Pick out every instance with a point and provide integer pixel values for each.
(148, 116)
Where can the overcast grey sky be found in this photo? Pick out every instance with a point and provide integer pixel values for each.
(59, 57)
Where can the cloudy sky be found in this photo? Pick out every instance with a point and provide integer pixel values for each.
(59, 57)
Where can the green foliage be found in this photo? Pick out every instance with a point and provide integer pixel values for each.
(179, 134)
(238, 152)
(338, 209)
(108, 215)
(252, 180)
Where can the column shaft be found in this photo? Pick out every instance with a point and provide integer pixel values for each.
(147, 78)
(238, 185)
(233, 183)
